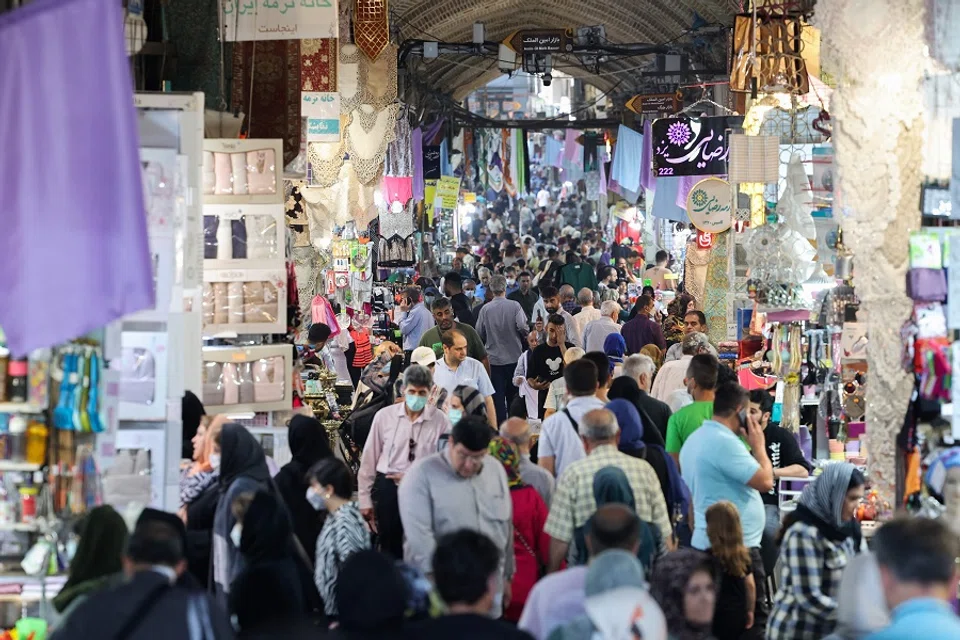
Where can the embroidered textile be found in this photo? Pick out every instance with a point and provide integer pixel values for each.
(318, 65)
(368, 134)
(716, 287)
(371, 29)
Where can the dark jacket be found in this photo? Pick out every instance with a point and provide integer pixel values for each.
(308, 445)
(462, 309)
(147, 607)
(200, 515)
(654, 412)
(276, 582)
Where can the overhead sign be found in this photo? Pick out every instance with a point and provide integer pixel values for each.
(710, 206)
(541, 41)
(692, 146)
(656, 104)
(279, 19)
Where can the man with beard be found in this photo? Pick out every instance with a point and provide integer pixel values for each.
(525, 294)
(444, 316)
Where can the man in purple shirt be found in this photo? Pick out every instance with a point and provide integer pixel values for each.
(642, 331)
(560, 597)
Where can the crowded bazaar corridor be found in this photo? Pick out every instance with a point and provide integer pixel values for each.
(533, 320)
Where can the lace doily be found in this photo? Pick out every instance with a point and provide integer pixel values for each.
(357, 198)
(326, 160)
(368, 134)
(380, 78)
(350, 82)
(398, 224)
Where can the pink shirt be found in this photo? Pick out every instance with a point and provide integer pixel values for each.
(387, 449)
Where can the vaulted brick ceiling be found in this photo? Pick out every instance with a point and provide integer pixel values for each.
(626, 21)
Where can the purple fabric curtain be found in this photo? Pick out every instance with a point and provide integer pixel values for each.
(73, 253)
(416, 146)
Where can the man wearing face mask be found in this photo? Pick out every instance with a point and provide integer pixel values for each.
(461, 487)
(400, 434)
(470, 290)
(510, 273)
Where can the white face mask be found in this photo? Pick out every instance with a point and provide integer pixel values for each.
(316, 500)
(215, 460)
(235, 534)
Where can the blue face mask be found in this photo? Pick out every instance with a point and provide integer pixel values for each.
(316, 500)
(415, 403)
(455, 415)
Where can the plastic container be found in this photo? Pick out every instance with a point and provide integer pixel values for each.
(28, 504)
(37, 434)
(17, 439)
(17, 371)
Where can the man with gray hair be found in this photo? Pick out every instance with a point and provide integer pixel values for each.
(694, 321)
(596, 331)
(574, 501)
(672, 374)
(502, 325)
(483, 275)
(517, 431)
(588, 313)
(400, 434)
(640, 367)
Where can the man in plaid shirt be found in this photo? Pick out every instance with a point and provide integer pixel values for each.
(574, 502)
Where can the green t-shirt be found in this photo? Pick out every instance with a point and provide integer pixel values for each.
(475, 347)
(685, 422)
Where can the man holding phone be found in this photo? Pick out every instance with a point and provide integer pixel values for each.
(414, 319)
(716, 466)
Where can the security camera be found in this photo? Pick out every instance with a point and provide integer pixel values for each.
(547, 79)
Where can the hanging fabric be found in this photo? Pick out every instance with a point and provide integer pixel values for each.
(572, 150)
(368, 134)
(318, 65)
(371, 28)
(553, 153)
(647, 179)
(400, 151)
(627, 159)
(92, 151)
(416, 153)
(525, 147)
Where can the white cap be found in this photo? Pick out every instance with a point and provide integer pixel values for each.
(423, 356)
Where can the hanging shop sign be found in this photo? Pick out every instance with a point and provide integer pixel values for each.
(431, 162)
(654, 105)
(710, 205)
(692, 146)
(541, 41)
(245, 20)
(448, 191)
(704, 240)
(322, 111)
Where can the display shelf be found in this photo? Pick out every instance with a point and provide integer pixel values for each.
(26, 467)
(21, 407)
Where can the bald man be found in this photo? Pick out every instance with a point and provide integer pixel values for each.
(517, 431)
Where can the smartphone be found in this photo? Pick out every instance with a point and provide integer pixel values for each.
(743, 420)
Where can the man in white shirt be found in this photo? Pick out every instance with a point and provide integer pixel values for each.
(672, 374)
(596, 331)
(494, 225)
(560, 444)
(543, 198)
(456, 369)
(588, 313)
(530, 395)
(693, 322)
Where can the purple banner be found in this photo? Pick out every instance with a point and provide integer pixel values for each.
(692, 146)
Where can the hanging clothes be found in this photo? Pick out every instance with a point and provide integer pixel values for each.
(627, 159)
(416, 151)
(647, 179)
(572, 150)
(92, 238)
(553, 156)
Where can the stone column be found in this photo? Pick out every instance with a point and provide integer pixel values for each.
(876, 48)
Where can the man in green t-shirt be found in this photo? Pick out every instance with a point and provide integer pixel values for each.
(443, 315)
(701, 381)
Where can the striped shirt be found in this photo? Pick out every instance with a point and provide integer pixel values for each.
(343, 534)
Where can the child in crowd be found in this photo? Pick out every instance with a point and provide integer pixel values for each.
(737, 595)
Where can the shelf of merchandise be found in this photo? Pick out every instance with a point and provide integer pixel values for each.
(24, 467)
(20, 407)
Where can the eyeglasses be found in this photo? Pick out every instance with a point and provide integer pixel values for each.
(413, 451)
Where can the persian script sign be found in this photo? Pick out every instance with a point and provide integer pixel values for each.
(540, 41)
(656, 104)
(692, 146)
(279, 19)
(710, 205)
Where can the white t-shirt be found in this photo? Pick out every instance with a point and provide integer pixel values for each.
(494, 225)
(543, 198)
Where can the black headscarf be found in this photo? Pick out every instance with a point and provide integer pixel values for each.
(308, 441)
(191, 412)
(241, 455)
(670, 579)
(103, 540)
(371, 595)
(266, 530)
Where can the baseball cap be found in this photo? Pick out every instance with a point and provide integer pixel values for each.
(423, 356)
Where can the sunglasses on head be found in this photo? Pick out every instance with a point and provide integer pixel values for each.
(413, 451)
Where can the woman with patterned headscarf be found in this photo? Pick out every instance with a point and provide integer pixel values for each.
(684, 586)
(531, 546)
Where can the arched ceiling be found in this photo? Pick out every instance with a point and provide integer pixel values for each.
(626, 21)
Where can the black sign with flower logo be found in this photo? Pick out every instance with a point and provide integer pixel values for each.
(692, 146)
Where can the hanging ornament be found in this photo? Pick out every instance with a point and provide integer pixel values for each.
(371, 29)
